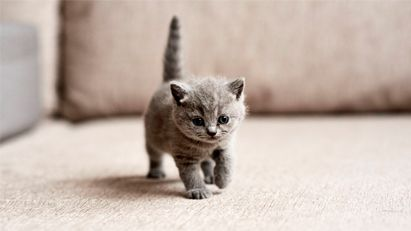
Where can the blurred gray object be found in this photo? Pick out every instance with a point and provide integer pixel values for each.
(19, 79)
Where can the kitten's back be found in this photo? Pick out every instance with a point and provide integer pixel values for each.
(157, 119)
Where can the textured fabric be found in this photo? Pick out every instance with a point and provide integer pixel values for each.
(299, 173)
(296, 56)
(43, 14)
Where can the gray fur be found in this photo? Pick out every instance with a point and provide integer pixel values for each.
(169, 126)
(172, 56)
(208, 169)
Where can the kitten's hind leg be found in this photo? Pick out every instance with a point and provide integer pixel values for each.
(208, 170)
(156, 163)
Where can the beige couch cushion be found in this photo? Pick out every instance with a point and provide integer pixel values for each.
(43, 14)
(312, 56)
(294, 176)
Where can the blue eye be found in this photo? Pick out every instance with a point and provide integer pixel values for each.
(198, 122)
(223, 119)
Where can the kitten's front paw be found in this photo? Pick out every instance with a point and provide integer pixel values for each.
(221, 181)
(209, 179)
(156, 174)
(198, 193)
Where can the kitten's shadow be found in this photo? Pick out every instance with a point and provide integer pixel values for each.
(134, 187)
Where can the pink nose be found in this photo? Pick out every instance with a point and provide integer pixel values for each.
(211, 131)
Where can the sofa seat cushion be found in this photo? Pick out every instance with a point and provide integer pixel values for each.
(325, 173)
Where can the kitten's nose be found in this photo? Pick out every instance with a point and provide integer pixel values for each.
(211, 131)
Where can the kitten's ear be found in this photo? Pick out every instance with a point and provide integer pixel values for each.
(179, 91)
(236, 87)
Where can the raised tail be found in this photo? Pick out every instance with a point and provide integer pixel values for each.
(172, 57)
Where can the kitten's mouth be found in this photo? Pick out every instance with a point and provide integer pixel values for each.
(209, 139)
(214, 138)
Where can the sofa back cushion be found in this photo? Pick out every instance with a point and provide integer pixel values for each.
(313, 56)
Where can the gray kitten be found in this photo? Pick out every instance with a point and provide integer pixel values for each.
(195, 121)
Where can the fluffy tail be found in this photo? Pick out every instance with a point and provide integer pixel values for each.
(172, 56)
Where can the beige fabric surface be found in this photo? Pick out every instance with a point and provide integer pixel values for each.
(298, 173)
(43, 14)
(297, 56)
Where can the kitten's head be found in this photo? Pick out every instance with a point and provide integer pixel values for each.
(208, 109)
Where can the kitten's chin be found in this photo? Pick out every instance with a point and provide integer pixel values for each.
(213, 139)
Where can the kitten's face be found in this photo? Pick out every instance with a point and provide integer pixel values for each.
(208, 110)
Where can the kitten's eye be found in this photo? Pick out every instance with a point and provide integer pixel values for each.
(223, 119)
(198, 122)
